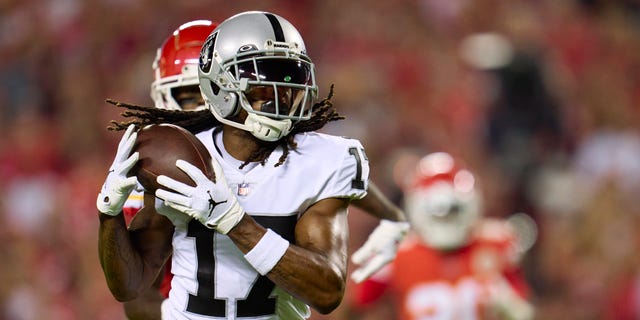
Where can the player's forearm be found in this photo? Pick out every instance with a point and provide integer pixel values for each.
(314, 278)
(147, 307)
(378, 205)
(122, 267)
(318, 280)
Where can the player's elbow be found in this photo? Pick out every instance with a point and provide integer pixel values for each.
(123, 294)
(328, 306)
(124, 298)
(329, 300)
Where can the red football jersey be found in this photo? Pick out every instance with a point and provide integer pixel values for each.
(426, 283)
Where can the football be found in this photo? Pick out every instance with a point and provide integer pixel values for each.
(160, 145)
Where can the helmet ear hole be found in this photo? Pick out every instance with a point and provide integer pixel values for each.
(214, 87)
(230, 101)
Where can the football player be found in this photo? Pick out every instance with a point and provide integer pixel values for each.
(177, 80)
(455, 264)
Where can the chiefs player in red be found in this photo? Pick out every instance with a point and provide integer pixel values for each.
(455, 264)
(175, 87)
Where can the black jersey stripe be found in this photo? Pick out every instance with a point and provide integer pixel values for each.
(277, 28)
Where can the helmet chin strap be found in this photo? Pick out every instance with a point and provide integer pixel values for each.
(267, 129)
(261, 127)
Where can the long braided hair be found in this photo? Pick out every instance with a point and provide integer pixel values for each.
(198, 121)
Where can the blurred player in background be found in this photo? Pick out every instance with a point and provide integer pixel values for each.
(455, 264)
(176, 88)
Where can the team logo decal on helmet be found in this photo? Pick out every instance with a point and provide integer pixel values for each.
(206, 53)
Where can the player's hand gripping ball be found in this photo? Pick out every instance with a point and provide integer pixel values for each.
(160, 146)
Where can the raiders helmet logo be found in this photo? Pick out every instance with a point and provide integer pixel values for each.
(206, 53)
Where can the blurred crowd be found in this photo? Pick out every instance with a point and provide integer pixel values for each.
(540, 98)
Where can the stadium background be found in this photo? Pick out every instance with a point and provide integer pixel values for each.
(552, 132)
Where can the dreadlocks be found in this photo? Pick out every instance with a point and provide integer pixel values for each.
(198, 121)
(193, 121)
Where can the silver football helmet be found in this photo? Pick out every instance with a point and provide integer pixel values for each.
(257, 50)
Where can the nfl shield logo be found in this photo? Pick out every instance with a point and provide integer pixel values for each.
(243, 189)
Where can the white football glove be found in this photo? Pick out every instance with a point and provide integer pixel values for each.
(379, 249)
(211, 203)
(118, 186)
(175, 216)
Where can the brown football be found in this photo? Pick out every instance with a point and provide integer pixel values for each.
(160, 145)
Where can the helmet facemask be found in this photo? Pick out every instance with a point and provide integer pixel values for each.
(163, 90)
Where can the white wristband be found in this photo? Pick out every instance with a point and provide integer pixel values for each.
(267, 252)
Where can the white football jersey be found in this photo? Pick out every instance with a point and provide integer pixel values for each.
(212, 279)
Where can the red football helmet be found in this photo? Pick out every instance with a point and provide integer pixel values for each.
(442, 202)
(176, 62)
